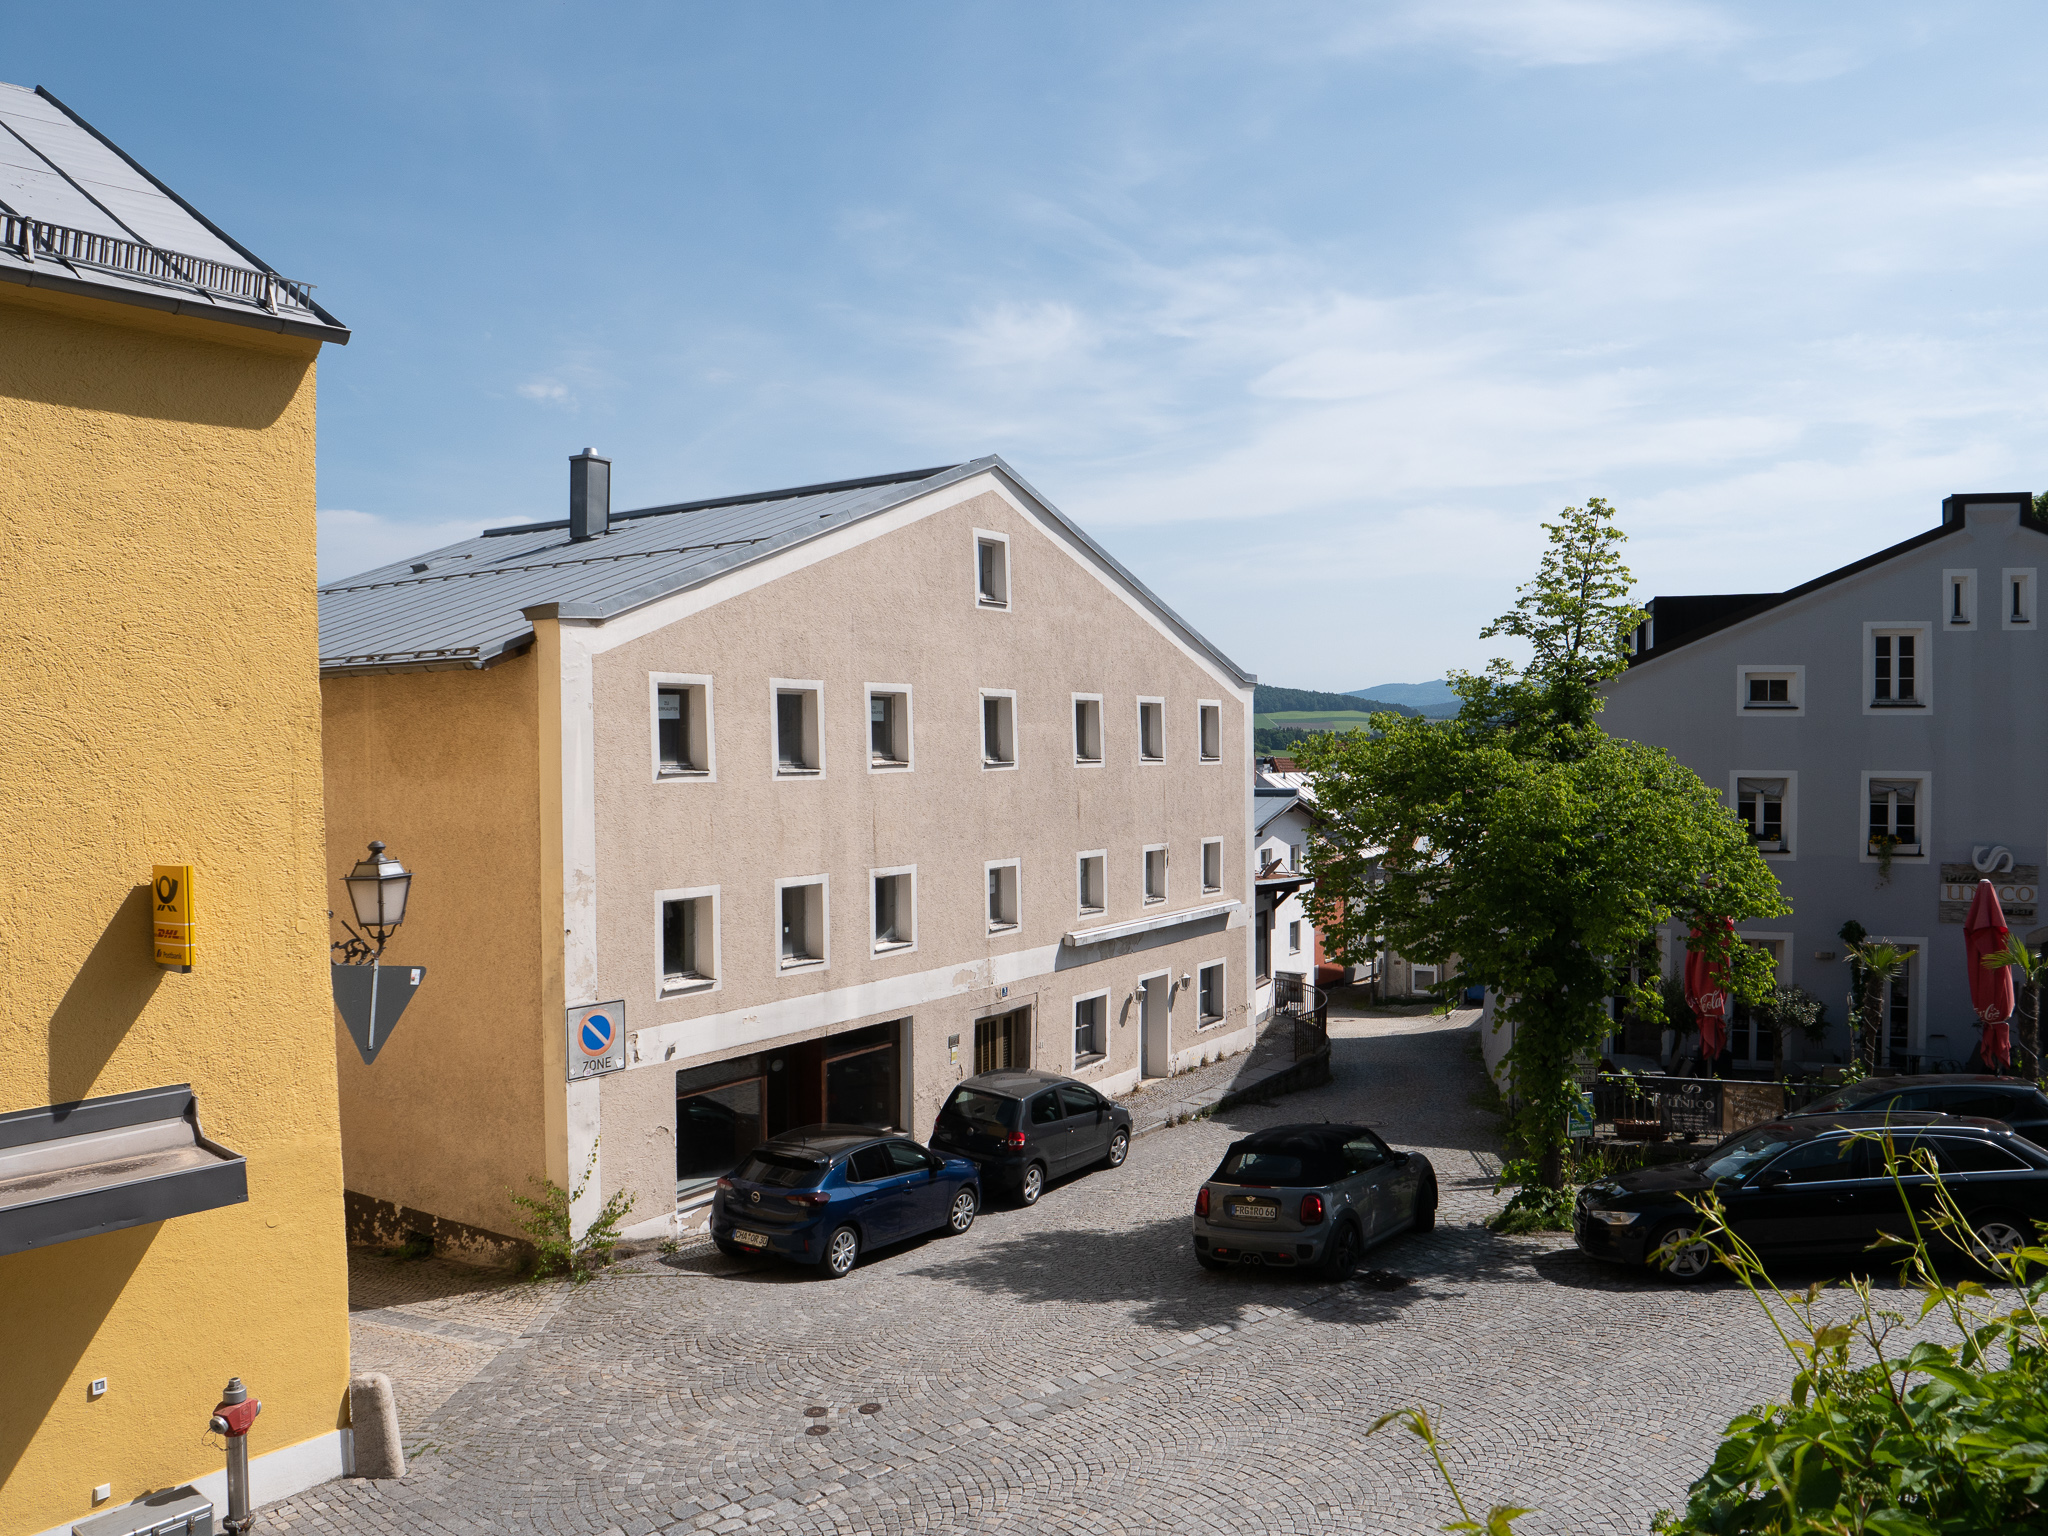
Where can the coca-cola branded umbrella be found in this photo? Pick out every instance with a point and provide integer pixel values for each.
(1984, 933)
(1706, 994)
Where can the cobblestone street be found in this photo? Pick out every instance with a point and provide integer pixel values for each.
(1069, 1368)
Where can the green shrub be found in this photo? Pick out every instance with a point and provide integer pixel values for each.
(546, 1223)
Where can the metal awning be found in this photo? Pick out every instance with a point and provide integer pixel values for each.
(1110, 931)
(98, 1165)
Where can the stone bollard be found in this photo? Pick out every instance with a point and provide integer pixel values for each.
(373, 1414)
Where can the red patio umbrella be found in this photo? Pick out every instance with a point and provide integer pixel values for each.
(1984, 933)
(1707, 995)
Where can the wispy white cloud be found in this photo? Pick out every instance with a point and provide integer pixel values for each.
(548, 391)
(1536, 33)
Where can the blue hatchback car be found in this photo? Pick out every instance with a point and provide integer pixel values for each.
(825, 1194)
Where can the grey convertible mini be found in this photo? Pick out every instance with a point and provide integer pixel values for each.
(1310, 1197)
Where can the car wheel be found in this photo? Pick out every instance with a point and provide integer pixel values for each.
(1679, 1254)
(1425, 1205)
(1996, 1234)
(1209, 1262)
(1119, 1149)
(842, 1252)
(1340, 1259)
(961, 1216)
(733, 1250)
(1033, 1185)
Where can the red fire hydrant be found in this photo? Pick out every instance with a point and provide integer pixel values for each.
(232, 1416)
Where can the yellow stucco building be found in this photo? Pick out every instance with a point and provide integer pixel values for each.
(170, 1167)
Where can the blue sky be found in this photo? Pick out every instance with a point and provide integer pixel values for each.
(1310, 313)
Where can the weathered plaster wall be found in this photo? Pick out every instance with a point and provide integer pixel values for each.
(441, 767)
(156, 598)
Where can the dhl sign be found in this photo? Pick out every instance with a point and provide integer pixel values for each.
(170, 913)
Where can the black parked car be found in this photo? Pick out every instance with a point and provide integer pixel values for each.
(825, 1194)
(1310, 1197)
(1810, 1186)
(2014, 1100)
(1022, 1127)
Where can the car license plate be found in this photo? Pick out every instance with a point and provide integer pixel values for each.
(1255, 1212)
(751, 1239)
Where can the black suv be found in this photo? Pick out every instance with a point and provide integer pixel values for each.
(2012, 1099)
(1023, 1127)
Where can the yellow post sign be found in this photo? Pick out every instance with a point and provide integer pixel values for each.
(171, 915)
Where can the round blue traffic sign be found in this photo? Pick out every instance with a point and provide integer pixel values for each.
(596, 1038)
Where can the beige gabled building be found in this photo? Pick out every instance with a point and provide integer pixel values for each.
(830, 796)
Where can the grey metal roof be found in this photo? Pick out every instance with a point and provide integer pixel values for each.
(468, 604)
(1267, 809)
(79, 215)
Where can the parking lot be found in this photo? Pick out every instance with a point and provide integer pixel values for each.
(1069, 1368)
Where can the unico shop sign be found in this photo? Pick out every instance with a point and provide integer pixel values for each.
(597, 1040)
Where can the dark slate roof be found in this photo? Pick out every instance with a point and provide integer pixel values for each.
(1678, 621)
(104, 227)
(468, 604)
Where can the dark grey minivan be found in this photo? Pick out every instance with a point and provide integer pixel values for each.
(1022, 1127)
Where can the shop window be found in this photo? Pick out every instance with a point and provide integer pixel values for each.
(1209, 730)
(715, 1128)
(1087, 728)
(799, 749)
(888, 728)
(1210, 994)
(1091, 1035)
(1152, 730)
(860, 1078)
(1003, 1042)
(682, 726)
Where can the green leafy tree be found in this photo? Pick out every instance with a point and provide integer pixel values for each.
(1526, 845)
(1874, 965)
(1790, 1009)
(2027, 965)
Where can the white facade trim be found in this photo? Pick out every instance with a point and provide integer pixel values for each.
(1136, 926)
(274, 1475)
(715, 982)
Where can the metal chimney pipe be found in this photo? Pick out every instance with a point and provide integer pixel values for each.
(590, 496)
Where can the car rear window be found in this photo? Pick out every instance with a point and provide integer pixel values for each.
(1309, 1166)
(780, 1170)
(981, 1110)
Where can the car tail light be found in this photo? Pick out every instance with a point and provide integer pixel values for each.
(1015, 1140)
(1311, 1210)
(725, 1183)
(1202, 1201)
(814, 1197)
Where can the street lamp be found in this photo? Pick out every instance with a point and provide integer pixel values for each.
(378, 886)
(377, 889)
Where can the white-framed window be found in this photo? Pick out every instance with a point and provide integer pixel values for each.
(892, 909)
(1297, 857)
(1212, 865)
(1151, 730)
(1155, 872)
(681, 704)
(1209, 1003)
(2016, 597)
(889, 738)
(1294, 937)
(1091, 871)
(1749, 1039)
(689, 941)
(1904, 1036)
(797, 733)
(1897, 813)
(1897, 671)
(1209, 730)
(1958, 600)
(998, 728)
(1002, 881)
(1764, 689)
(1091, 1028)
(803, 915)
(1088, 728)
(1766, 800)
(991, 569)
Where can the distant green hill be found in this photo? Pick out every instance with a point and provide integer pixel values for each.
(1290, 701)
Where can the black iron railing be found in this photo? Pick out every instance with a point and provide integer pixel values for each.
(1307, 1009)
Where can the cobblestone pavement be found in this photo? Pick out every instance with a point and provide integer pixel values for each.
(1069, 1368)
(1165, 1100)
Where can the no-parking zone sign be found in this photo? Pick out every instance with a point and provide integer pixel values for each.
(597, 1040)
